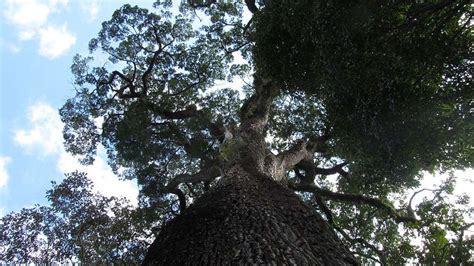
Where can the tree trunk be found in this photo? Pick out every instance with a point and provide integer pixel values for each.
(248, 218)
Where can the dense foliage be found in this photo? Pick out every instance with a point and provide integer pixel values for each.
(387, 86)
(394, 80)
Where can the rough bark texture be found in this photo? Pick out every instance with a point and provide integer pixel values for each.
(248, 219)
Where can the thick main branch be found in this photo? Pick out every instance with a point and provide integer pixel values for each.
(191, 111)
(205, 175)
(255, 111)
(251, 5)
(302, 150)
(301, 156)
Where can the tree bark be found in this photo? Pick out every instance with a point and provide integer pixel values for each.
(248, 218)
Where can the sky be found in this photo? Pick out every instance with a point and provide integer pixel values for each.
(38, 39)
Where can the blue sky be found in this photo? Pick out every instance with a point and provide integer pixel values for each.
(38, 39)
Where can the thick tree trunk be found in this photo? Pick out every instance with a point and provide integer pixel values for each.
(248, 218)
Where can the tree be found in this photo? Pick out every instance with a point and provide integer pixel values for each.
(372, 92)
(78, 226)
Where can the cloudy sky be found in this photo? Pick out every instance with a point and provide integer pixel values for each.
(38, 39)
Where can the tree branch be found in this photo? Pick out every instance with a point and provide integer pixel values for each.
(466, 226)
(188, 112)
(430, 8)
(419, 16)
(128, 85)
(295, 154)
(364, 243)
(149, 69)
(251, 5)
(409, 206)
(324, 208)
(181, 198)
(307, 165)
(310, 170)
(337, 169)
(207, 174)
(237, 48)
(354, 199)
(368, 257)
(216, 130)
(301, 154)
(130, 82)
(328, 213)
(459, 243)
(187, 88)
(254, 112)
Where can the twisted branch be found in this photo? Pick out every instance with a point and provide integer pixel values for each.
(301, 155)
(205, 175)
(354, 199)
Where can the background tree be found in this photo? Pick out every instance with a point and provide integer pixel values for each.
(78, 226)
(22, 239)
(372, 93)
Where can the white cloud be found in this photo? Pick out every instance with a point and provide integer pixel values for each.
(4, 160)
(45, 134)
(90, 8)
(26, 35)
(55, 41)
(27, 15)
(30, 18)
(44, 137)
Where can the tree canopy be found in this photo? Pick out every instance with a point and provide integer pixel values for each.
(394, 80)
(373, 92)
